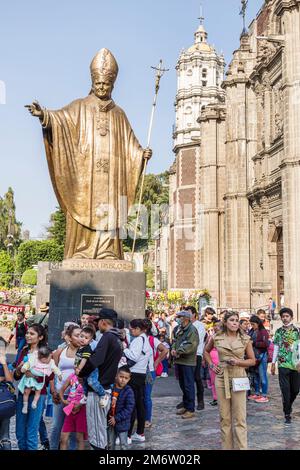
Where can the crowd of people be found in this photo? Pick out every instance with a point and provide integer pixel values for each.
(97, 385)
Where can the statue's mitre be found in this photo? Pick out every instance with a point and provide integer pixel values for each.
(105, 64)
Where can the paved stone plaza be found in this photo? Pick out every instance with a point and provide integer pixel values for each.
(169, 432)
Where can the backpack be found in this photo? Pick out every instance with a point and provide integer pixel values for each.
(7, 400)
(159, 368)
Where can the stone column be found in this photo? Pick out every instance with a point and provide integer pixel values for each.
(290, 166)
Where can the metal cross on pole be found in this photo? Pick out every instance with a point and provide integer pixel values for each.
(160, 71)
(243, 14)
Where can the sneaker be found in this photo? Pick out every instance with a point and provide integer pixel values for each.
(45, 445)
(181, 411)
(253, 397)
(138, 437)
(25, 408)
(200, 405)
(188, 415)
(83, 400)
(5, 444)
(262, 400)
(213, 403)
(288, 420)
(117, 441)
(104, 400)
(180, 405)
(129, 441)
(34, 405)
(164, 374)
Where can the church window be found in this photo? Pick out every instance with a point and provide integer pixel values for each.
(204, 83)
(204, 73)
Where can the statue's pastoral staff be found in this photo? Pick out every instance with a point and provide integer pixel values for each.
(95, 162)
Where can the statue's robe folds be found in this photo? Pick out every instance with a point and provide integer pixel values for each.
(95, 162)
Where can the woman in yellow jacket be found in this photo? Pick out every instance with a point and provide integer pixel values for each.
(236, 355)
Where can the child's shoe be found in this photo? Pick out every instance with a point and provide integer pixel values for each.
(83, 400)
(25, 408)
(117, 441)
(103, 402)
(34, 405)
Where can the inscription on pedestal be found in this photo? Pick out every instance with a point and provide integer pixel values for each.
(91, 304)
(97, 265)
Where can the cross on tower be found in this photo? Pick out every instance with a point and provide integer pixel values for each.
(243, 14)
(201, 14)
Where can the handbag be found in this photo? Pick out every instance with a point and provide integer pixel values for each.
(7, 401)
(240, 384)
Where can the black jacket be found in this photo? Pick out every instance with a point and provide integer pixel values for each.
(106, 358)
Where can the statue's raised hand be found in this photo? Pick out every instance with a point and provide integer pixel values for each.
(35, 109)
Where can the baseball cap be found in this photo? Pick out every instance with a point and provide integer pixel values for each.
(107, 314)
(184, 314)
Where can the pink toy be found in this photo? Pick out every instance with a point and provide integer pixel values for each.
(75, 395)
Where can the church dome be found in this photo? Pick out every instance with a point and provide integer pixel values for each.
(201, 47)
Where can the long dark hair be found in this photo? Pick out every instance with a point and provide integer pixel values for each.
(258, 321)
(41, 331)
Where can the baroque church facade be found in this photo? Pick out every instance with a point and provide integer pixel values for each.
(234, 225)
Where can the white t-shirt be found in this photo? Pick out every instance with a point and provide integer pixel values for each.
(201, 332)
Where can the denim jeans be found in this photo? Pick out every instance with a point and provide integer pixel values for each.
(20, 343)
(165, 364)
(4, 429)
(148, 398)
(186, 382)
(261, 376)
(57, 425)
(112, 436)
(27, 425)
(93, 381)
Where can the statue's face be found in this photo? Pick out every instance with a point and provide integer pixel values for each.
(102, 88)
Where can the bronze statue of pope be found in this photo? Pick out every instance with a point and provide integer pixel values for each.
(95, 162)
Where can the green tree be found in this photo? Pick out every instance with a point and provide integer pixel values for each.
(29, 277)
(156, 191)
(6, 269)
(57, 229)
(31, 252)
(10, 228)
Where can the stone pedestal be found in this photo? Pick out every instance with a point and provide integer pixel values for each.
(73, 292)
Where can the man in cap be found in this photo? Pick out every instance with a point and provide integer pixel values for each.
(41, 317)
(106, 358)
(184, 350)
(95, 162)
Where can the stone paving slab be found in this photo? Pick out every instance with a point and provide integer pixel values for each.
(266, 430)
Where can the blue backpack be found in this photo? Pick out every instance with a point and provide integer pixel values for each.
(7, 400)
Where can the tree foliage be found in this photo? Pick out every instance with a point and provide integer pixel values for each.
(29, 277)
(31, 252)
(155, 192)
(8, 222)
(57, 229)
(6, 269)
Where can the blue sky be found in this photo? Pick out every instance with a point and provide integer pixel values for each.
(45, 52)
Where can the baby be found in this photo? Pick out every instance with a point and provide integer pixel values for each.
(82, 355)
(40, 365)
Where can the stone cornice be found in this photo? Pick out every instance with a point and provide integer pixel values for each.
(179, 147)
(267, 65)
(283, 5)
(288, 163)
